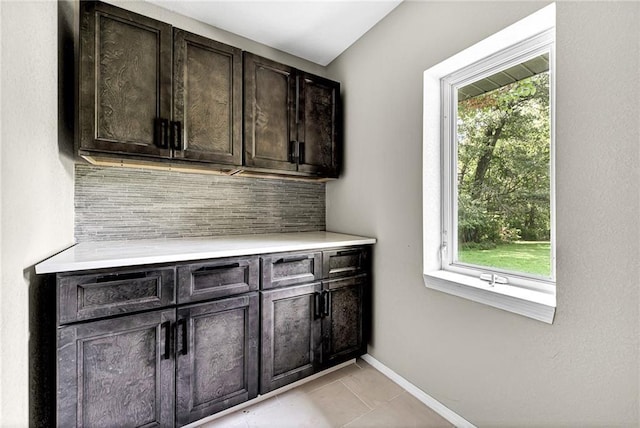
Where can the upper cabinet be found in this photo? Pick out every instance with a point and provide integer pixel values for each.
(291, 119)
(125, 81)
(151, 91)
(148, 89)
(207, 99)
(318, 126)
(269, 113)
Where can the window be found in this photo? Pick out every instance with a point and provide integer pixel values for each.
(495, 236)
(497, 167)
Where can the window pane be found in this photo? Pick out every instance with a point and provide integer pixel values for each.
(503, 183)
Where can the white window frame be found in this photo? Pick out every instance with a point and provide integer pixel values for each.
(526, 295)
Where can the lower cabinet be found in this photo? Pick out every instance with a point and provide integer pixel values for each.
(309, 327)
(291, 335)
(159, 368)
(344, 319)
(167, 345)
(216, 356)
(117, 372)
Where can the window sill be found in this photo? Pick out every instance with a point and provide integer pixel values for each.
(537, 305)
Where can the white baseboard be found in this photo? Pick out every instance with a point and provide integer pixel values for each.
(434, 404)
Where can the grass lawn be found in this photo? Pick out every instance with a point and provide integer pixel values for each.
(523, 256)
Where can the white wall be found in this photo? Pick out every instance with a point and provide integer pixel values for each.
(36, 187)
(490, 366)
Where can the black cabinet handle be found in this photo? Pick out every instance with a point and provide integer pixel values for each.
(184, 348)
(121, 277)
(162, 133)
(316, 306)
(176, 135)
(167, 340)
(220, 267)
(292, 151)
(301, 153)
(291, 260)
(347, 252)
(327, 303)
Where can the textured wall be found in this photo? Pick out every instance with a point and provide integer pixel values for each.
(36, 195)
(122, 203)
(493, 367)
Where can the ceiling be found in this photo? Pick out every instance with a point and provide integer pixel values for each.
(317, 30)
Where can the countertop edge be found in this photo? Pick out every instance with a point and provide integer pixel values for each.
(59, 263)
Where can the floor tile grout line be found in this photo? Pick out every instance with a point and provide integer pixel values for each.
(326, 384)
(356, 418)
(402, 391)
(356, 395)
(319, 387)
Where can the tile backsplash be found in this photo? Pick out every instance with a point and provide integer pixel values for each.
(122, 203)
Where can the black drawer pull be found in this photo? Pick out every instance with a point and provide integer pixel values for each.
(121, 276)
(176, 136)
(327, 303)
(316, 306)
(301, 153)
(291, 260)
(220, 267)
(347, 253)
(167, 340)
(293, 157)
(161, 132)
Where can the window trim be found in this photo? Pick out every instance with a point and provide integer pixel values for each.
(531, 297)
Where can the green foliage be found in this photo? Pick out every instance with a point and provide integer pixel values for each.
(474, 246)
(529, 257)
(503, 163)
(475, 223)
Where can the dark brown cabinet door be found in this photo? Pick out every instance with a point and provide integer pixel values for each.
(343, 319)
(207, 99)
(117, 372)
(291, 341)
(318, 126)
(125, 80)
(291, 119)
(217, 356)
(269, 113)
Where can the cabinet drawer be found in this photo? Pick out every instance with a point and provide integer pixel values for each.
(217, 278)
(94, 295)
(279, 270)
(344, 262)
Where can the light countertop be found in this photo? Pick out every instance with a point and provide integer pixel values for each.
(108, 254)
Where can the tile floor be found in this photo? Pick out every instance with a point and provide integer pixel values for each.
(354, 396)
